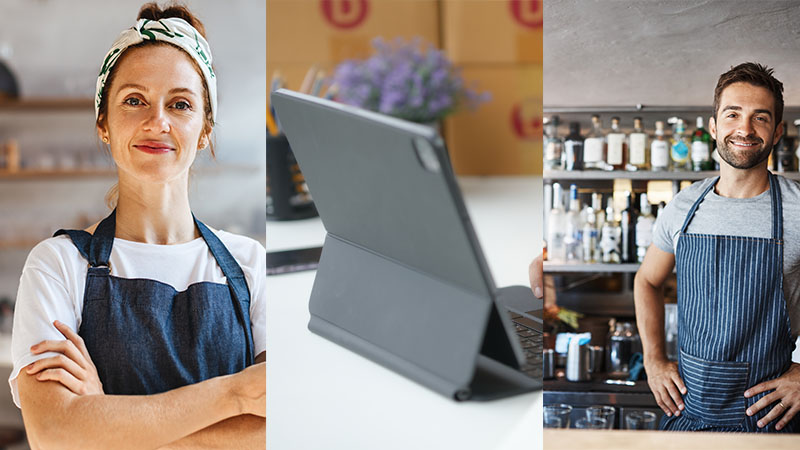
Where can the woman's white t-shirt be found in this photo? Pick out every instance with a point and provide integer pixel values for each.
(54, 279)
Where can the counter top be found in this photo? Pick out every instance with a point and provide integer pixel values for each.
(652, 440)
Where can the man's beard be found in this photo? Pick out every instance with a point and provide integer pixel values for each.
(744, 159)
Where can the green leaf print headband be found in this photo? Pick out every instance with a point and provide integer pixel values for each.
(172, 30)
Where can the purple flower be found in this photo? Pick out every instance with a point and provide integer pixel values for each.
(400, 79)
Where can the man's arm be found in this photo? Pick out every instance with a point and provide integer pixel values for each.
(245, 432)
(662, 374)
(57, 418)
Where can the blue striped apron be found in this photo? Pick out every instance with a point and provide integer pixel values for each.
(733, 327)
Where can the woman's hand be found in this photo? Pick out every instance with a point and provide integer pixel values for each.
(250, 389)
(73, 367)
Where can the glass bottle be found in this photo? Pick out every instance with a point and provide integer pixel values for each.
(701, 148)
(572, 235)
(659, 149)
(573, 148)
(600, 220)
(589, 235)
(679, 147)
(637, 147)
(617, 148)
(594, 146)
(556, 251)
(644, 227)
(628, 229)
(610, 236)
(553, 146)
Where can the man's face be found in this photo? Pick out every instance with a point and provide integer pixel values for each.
(745, 127)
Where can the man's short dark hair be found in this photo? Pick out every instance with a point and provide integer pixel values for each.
(757, 75)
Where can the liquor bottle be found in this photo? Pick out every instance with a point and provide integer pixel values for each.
(609, 238)
(617, 149)
(594, 146)
(637, 147)
(600, 220)
(784, 153)
(572, 235)
(679, 147)
(556, 251)
(573, 148)
(701, 148)
(659, 149)
(553, 146)
(589, 235)
(644, 228)
(548, 205)
(628, 228)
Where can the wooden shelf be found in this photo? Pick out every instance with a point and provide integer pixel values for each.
(47, 104)
(38, 174)
(18, 245)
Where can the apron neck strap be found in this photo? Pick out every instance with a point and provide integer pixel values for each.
(102, 241)
(775, 196)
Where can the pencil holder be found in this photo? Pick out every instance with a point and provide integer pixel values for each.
(287, 194)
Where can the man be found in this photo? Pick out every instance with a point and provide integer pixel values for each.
(732, 239)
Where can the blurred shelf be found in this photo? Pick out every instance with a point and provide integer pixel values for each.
(640, 175)
(39, 174)
(550, 267)
(47, 104)
(640, 108)
(18, 245)
(626, 175)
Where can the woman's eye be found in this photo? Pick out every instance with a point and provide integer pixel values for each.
(133, 101)
(181, 105)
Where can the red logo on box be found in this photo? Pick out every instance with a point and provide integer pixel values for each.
(528, 13)
(526, 119)
(345, 13)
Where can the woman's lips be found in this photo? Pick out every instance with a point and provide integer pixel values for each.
(153, 147)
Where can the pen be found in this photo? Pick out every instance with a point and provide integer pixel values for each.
(272, 127)
(318, 83)
(308, 80)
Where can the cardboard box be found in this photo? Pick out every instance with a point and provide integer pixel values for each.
(325, 31)
(492, 31)
(504, 135)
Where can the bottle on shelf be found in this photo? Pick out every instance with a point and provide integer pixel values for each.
(659, 149)
(617, 148)
(553, 146)
(594, 146)
(679, 147)
(600, 220)
(644, 227)
(589, 235)
(610, 236)
(548, 205)
(572, 235)
(784, 153)
(556, 251)
(573, 148)
(628, 230)
(637, 147)
(701, 148)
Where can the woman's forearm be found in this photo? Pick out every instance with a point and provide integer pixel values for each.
(57, 418)
(242, 432)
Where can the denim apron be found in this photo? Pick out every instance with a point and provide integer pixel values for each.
(144, 337)
(733, 327)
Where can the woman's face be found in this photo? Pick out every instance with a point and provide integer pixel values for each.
(155, 114)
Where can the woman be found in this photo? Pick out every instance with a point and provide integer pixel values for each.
(169, 314)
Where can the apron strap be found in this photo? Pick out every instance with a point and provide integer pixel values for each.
(777, 207)
(80, 238)
(236, 280)
(696, 204)
(95, 248)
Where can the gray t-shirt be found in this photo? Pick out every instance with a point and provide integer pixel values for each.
(749, 217)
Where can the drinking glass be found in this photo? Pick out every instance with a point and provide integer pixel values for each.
(602, 412)
(557, 415)
(640, 420)
(595, 423)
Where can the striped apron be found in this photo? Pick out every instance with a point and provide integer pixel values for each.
(733, 327)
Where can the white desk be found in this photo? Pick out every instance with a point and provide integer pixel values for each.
(322, 396)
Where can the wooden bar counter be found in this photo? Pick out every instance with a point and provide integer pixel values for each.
(656, 440)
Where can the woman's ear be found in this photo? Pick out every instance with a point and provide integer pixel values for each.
(203, 142)
(102, 133)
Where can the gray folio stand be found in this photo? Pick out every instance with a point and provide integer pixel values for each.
(419, 326)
